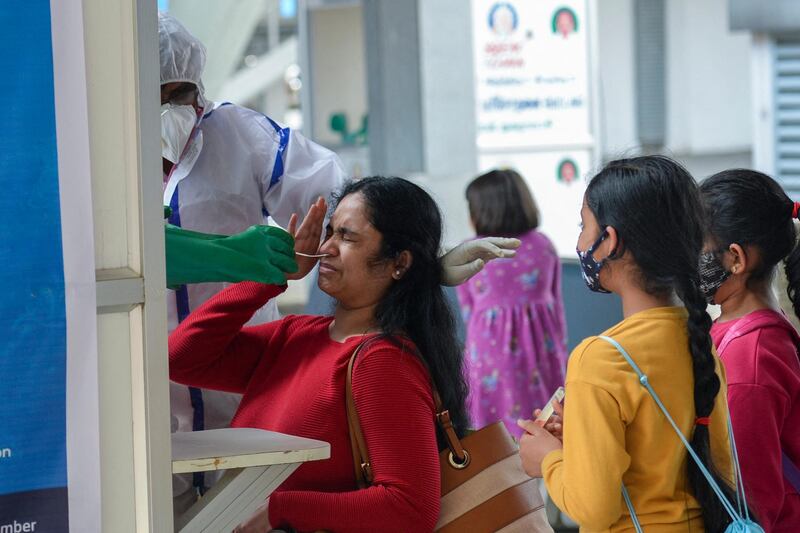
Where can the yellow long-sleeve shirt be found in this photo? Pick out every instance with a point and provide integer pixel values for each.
(615, 433)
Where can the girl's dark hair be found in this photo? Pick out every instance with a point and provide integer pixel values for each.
(501, 204)
(415, 305)
(654, 205)
(749, 208)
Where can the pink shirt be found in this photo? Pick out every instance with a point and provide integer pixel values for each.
(763, 370)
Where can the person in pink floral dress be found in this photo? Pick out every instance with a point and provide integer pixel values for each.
(516, 351)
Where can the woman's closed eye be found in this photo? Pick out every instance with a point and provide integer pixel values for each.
(342, 234)
(346, 235)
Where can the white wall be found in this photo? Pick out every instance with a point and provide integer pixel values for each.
(709, 105)
(338, 61)
(447, 80)
(763, 85)
(617, 77)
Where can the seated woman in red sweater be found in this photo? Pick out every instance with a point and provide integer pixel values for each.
(750, 230)
(382, 268)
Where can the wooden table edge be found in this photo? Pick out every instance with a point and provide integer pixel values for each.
(183, 466)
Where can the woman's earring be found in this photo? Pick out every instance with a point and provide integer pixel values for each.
(397, 274)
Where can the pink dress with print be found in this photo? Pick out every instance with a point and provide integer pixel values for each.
(516, 351)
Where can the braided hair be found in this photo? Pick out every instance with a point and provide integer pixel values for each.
(654, 204)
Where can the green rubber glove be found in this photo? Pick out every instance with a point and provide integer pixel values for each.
(260, 253)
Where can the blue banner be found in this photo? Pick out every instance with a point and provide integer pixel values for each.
(33, 469)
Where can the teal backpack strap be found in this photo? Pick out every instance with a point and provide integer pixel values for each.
(629, 503)
(741, 498)
(715, 487)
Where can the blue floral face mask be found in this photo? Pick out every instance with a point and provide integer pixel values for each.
(590, 267)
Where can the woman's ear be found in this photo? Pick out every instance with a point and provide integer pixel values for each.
(612, 242)
(402, 263)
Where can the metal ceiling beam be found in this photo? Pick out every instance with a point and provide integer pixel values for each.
(270, 68)
(225, 27)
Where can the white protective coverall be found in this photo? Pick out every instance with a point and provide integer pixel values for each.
(238, 167)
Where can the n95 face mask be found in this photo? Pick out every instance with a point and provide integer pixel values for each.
(177, 123)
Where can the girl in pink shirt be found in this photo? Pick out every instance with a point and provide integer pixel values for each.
(750, 229)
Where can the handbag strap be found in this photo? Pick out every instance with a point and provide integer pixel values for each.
(715, 487)
(358, 445)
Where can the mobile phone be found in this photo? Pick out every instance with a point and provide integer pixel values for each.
(547, 410)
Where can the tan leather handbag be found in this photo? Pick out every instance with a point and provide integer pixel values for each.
(484, 487)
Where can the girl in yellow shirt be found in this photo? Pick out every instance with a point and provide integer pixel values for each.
(641, 238)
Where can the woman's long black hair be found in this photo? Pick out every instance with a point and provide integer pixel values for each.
(654, 204)
(415, 305)
(746, 207)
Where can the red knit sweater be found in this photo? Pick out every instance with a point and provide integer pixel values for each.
(292, 377)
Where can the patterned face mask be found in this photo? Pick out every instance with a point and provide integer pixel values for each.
(590, 267)
(712, 275)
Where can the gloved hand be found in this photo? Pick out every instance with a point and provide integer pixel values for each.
(468, 258)
(260, 253)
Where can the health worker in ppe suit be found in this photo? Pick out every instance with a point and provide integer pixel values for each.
(225, 169)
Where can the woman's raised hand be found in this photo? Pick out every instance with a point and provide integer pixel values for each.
(307, 237)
